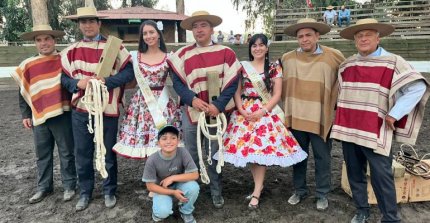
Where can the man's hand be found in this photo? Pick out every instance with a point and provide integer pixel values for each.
(180, 196)
(82, 83)
(102, 79)
(389, 121)
(27, 123)
(167, 182)
(212, 111)
(200, 105)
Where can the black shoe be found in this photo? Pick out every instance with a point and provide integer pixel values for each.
(39, 196)
(218, 201)
(83, 203)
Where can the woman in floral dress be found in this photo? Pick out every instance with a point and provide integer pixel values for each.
(137, 137)
(255, 133)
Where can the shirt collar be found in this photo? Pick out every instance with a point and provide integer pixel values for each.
(210, 44)
(318, 50)
(378, 52)
(97, 38)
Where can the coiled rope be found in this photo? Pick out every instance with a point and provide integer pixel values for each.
(95, 100)
(203, 127)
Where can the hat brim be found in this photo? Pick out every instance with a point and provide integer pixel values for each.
(212, 19)
(76, 17)
(320, 27)
(33, 34)
(381, 28)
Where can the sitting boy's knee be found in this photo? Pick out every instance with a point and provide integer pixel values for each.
(162, 212)
(192, 187)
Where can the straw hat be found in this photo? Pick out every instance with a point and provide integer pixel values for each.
(307, 23)
(85, 12)
(199, 16)
(364, 24)
(329, 7)
(41, 30)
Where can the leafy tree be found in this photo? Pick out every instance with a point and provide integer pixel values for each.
(17, 19)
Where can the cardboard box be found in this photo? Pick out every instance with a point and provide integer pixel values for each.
(398, 169)
(419, 188)
(401, 184)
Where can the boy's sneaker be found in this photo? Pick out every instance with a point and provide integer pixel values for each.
(188, 218)
(156, 219)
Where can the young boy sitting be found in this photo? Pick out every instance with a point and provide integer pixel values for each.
(171, 172)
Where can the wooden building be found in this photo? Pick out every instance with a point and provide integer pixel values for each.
(125, 22)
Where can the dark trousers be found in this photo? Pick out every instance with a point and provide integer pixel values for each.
(84, 153)
(381, 177)
(56, 130)
(322, 156)
(190, 139)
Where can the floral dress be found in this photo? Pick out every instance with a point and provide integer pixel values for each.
(265, 142)
(137, 137)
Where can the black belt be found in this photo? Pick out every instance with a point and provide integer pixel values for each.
(251, 97)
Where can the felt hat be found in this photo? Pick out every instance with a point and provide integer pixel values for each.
(42, 30)
(200, 16)
(307, 23)
(365, 24)
(89, 11)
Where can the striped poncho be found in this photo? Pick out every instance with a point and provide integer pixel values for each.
(39, 80)
(309, 89)
(192, 64)
(80, 60)
(367, 93)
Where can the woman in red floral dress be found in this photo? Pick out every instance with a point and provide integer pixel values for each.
(255, 134)
(137, 137)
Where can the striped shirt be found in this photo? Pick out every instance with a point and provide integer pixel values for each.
(39, 80)
(367, 92)
(80, 60)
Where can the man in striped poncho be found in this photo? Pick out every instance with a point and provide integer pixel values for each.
(45, 108)
(79, 62)
(190, 65)
(381, 98)
(309, 95)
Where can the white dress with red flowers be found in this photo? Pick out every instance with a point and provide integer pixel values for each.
(137, 137)
(265, 142)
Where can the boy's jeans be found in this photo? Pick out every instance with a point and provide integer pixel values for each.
(162, 204)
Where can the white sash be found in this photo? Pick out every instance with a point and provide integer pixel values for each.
(259, 85)
(156, 107)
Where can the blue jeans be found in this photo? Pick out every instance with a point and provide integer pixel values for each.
(162, 204)
(190, 139)
(344, 19)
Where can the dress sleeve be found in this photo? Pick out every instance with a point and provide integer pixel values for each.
(275, 70)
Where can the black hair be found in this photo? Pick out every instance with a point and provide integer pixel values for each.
(143, 47)
(265, 41)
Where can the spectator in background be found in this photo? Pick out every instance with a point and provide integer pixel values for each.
(248, 38)
(238, 39)
(220, 37)
(344, 16)
(231, 37)
(330, 16)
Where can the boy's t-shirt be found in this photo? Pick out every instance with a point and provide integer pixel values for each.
(158, 167)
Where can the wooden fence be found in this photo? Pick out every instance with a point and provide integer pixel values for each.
(410, 49)
(410, 18)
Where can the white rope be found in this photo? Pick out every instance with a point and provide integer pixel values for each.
(203, 126)
(95, 100)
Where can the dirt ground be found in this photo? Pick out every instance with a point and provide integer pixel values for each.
(18, 183)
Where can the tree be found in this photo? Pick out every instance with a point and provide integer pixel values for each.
(180, 9)
(17, 19)
(145, 3)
